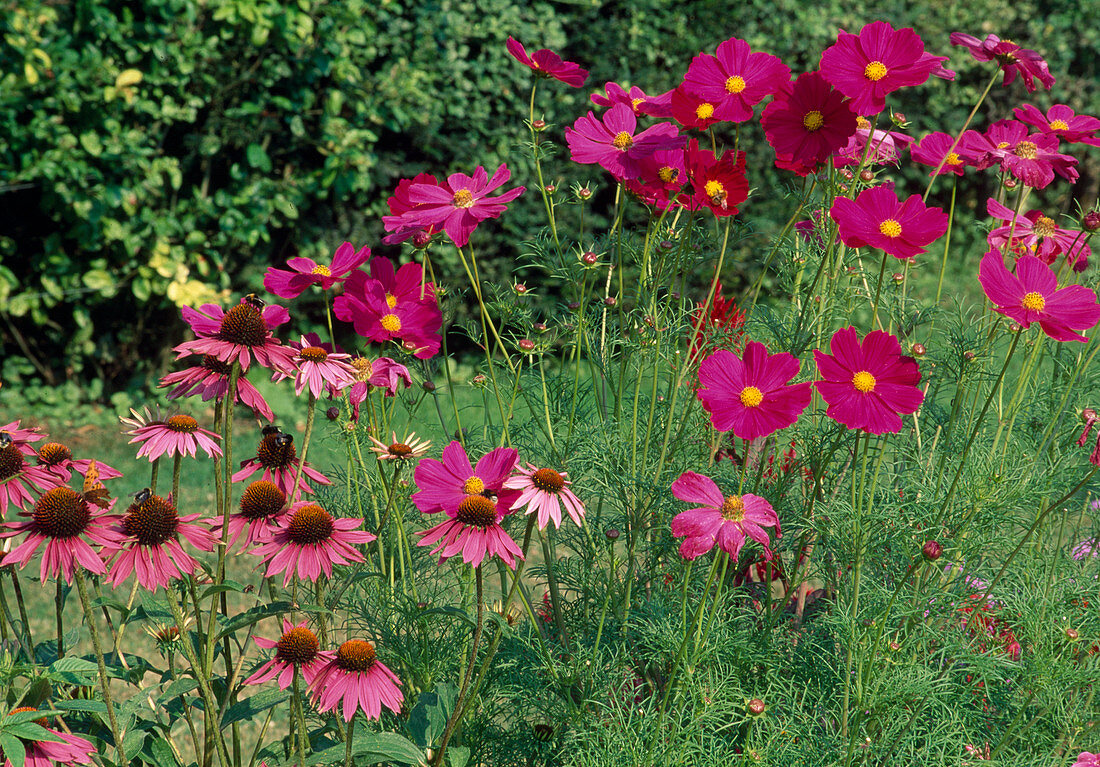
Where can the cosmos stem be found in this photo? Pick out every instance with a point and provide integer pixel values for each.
(459, 709)
(958, 137)
(104, 685)
(296, 486)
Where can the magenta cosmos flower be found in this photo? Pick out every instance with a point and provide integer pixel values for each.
(611, 141)
(305, 272)
(278, 458)
(1032, 295)
(868, 385)
(725, 520)
(735, 79)
(400, 204)
(20, 481)
(1087, 759)
(885, 146)
(877, 219)
(544, 492)
(751, 396)
(296, 648)
(237, 334)
(473, 530)
(661, 176)
(63, 748)
(175, 435)
(149, 544)
(809, 122)
(308, 541)
(262, 507)
(444, 485)
(460, 203)
(1036, 234)
(546, 63)
(938, 150)
(635, 98)
(379, 318)
(1061, 121)
(355, 679)
(402, 285)
(210, 379)
(716, 183)
(317, 366)
(1036, 159)
(877, 61)
(1013, 59)
(691, 110)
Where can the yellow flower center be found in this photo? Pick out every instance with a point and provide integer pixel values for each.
(1027, 150)
(863, 381)
(622, 141)
(735, 84)
(322, 270)
(1045, 226)
(463, 198)
(1034, 302)
(391, 300)
(813, 120)
(668, 174)
(391, 323)
(1059, 125)
(715, 191)
(634, 103)
(1002, 144)
(473, 486)
(751, 396)
(953, 159)
(875, 71)
(863, 123)
(890, 228)
(704, 111)
(733, 509)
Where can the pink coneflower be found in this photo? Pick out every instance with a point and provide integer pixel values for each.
(305, 272)
(443, 485)
(868, 385)
(210, 379)
(725, 520)
(692, 111)
(262, 506)
(1061, 121)
(400, 204)
(296, 648)
(716, 183)
(546, 63)
(735, 79)
(635, 98)
(877, 61)
(473, 530)
(1038, 234)
(932, 150)
(407, 449)
(1036, 159)
(544, 492)
(64, 749)
(375, 316)
(150, 533)
(58, 459)
(611, 141)
(279, 460)
(877, 219)
(20, 481)
(308, 541)
(22, 438)
(460, 203)
(238, 334)
(175, 435)
(1013, 59)
(319, 367)
(357, 679)
(1032, 295)
(751, 396)
(810, 122)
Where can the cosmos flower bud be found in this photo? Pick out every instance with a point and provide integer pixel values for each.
(932, 550)
(584, 193)
(526, 344)
(867, 175)
(755, 707)
(610, 301)
(1091, 221)
(421, 240)
(1072, 635)
(898, 278)
(428, 386)
(574, 305)
(590, 258)
(332, 413)
(540, 327)
(918, 350)
(611, 533)
(519, 289)
(539, 125)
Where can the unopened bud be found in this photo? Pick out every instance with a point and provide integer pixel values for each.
(610, 301)
(550, 188)
(847, 174)
(539, 125)
(589, 258)
(894, 646)
(611, 533)
(421, 239)
(932, 550)
(1011, 183)
(584, 193)
(332, 413)
(540, 327)
(898, 278)
(918, 350)
(667, 244)
(1088, 414)
(867, 175)
(573, 305)
(898, 119)
(480, 379)
(756, 707)
(1072, 635)
(428, 386)
(1091, 221)
(969, 355)
(519, 289)
(526, 344)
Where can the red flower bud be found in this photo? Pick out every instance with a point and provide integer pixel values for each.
(932, 550)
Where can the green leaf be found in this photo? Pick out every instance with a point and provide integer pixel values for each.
(73, 671)
(100, 279)
(428, 718)
(248, 617)
(32, 731)
(249, 707)
(13, 749)
(162, 753)
(374, 747)
(226, 585)
(458, 756)
(258, 158)
(87, 706)
(91, 143)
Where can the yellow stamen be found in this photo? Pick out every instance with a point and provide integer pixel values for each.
(322, 270)
(890, 228)
(391, 300)
(391, 323)
(704, 111)
(463, 198)
(1059, 125)
(751, 396)
(863, 381)
(735, 84)
(733, 509)
(473, 486)
(1034, 302)
(622, 141)
(953, 159)
(813, 120)
(875, 71)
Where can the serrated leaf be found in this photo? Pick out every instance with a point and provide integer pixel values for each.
(249, 707)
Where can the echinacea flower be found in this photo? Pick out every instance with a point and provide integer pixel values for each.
(60, 748)
(473, 530)
(612, 143)
(356, 680)
(546, 63)
(278, 458)
(1036, 234)
(305, 272)
(877, 219)
(544, 491)
(58, 459)
(238, 334)
(868, 384)
(176, 435)
(1012, 58)
(810, 122)
(20, 481)
(717, 183)
(460, 203)
(735, 79)
(308, 541)
(149, 545)
(717, 518)
(210, 379)
(318, 366)
(1061, 121)
(752, 396)
(406, 449)
(444, 485)
(1032, 295)
(261, 507)
(297, 648)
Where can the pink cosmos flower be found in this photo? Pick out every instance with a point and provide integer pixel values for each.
(1036, 159)
(149, 542)
(886, 146)
(661, 176)
(1032, 295)
(991, 146)
(66, 749)
(175, 435)
(868, 385)
(548, 64)
(735, 79)
(1061, 121)
(809, 122)
(692, 111)
(382, 373)
(380, 317)
(317, 366)
(877, 219)
(308, 541)
(402, 285)
(725, 520)
(58, 459)
(355, 678)
(237, 334)
(278, 458)
(716, 183)
(296, 648)
(210, 379)
(544, 492)
(460, 203)
(1013, 59)
(20, 481)
(1087, 759)
(444, 485)
(473, 530)
(933, 149)
(305, 272)
(659, 106)
(751, 396)
(262, 507)
(1037, 234)
(635, 98)
(611, 141)
(877, 61)
(400, 204)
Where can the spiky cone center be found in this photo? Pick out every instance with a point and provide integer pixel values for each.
(313, 354)
(54, 453)
(733, 509)
(151, 521)
(476, 511)
(1034, 302)
(214, 365)
(355, 655)
(890, 228)
(1027, 150)
(262, 499)
(310, 524)
(321, 270)
(463, 198)
(751, 396)
(61, 513)
(622, 141)
(184, 424)
(548, 481)
(400, 450)
(276, 451)
(863, 381)
(875, 71)
(22, 709)
(735, 84)
(1044, 226)
(298, 646)
(704, 111)
(813, 121)
(11, 461)
(391, 323)
(243, 325)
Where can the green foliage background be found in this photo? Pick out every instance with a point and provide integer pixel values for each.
(165, 153)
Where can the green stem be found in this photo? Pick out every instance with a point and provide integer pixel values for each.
(299, 718)
(955, 143)
(104, 685)
(452, 720)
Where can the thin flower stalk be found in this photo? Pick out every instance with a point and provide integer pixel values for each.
(104, 684)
